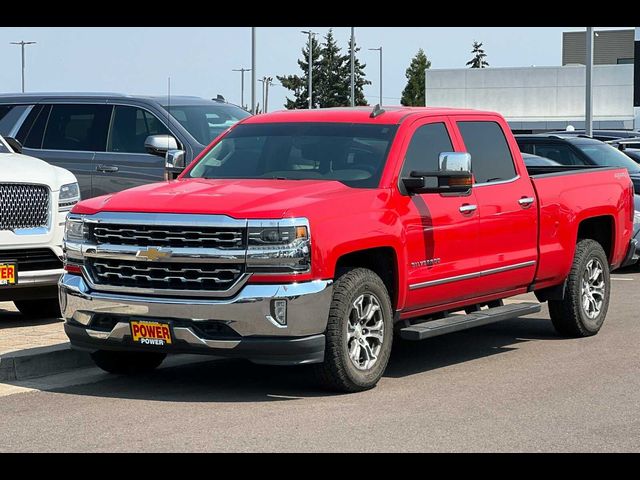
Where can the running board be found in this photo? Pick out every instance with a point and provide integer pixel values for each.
(454, 323)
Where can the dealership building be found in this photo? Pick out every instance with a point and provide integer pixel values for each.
(535, 99)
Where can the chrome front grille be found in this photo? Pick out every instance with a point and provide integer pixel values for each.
(169, 236)
(23, 206)
(163, 276)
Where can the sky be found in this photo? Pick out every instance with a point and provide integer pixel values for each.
(200, 60)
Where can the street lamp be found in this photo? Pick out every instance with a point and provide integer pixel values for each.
(380, 50)
(241, 70)
(311, 34)
(353, 68)
(22, 43)
(253, 70)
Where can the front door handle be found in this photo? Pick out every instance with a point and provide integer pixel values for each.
(525, 202)
(468, 208)
(107, 168)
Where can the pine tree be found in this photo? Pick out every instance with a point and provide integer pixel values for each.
(413, 93)
(299, 84)
(332, 90)
(478, 60)
(359, 75)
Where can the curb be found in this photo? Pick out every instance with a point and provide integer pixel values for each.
(41, 361)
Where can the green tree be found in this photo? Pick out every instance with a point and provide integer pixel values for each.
(413, 93)
(332, 90)
(478, 60)
(299, 84)
(359, 75)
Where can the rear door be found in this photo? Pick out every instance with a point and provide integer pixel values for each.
(125, 163)
(441, 230)
(507, 246)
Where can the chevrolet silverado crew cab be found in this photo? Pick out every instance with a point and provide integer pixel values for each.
(35, 198)
(316, 236)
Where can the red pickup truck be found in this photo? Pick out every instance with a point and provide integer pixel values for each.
(318, 236)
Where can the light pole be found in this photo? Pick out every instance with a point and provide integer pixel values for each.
(253, 70)
(380, 50)
(311, 34)
(22, 43)
(266, 83)
(241, 70)
(353, 69)
(588, 121)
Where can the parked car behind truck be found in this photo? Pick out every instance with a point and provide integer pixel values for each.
(311, 236)
(34, 201)
(111, 141)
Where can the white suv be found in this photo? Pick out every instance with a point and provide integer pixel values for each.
(34, 200)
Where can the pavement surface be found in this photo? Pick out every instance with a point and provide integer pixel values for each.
(511, 386)
(19, 333)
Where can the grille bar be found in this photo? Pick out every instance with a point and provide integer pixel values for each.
(30, 260)
(23, 206)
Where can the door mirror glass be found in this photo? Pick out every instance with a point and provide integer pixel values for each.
(174, 163)
(453, 176)
(160, 144)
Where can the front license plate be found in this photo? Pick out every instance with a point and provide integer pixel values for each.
(8, 273)
(151, 333)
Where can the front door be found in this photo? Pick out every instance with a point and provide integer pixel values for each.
(441, 230)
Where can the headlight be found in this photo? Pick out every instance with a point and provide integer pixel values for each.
(74, 230)
(636, 217)
(69, 196)
(279, 246)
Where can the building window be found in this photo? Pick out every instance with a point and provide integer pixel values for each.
(625, 61)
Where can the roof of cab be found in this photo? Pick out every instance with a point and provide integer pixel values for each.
(391, 115)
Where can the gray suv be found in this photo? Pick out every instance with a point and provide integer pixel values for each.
(111, 141)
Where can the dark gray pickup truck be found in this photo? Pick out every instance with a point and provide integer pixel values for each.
(112, 141)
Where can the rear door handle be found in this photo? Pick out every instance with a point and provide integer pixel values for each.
(107, 168)
(525, 202)
(468, 208)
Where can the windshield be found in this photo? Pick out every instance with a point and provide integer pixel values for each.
(608, 156)
(353, 154)
(206, 122)
(4, 148)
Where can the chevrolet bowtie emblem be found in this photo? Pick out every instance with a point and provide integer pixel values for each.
(153, 254)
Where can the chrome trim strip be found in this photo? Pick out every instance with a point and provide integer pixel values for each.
(186, 334)
(467, 276)
(500, 182)
(178, 255)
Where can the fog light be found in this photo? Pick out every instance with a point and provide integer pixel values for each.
(279, 311)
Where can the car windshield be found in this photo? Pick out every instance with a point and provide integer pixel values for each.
(3, 147)
(608, 156)
(206, 122)
(353, 154)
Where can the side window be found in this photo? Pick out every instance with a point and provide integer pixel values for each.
(130, 128)
(426, 145)
(526, 148)
(559, 153)
(78, 127)
(491, 159)
(32, 130)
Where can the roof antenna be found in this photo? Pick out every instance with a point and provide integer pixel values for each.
(377, 110)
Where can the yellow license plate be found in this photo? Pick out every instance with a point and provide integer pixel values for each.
(8, 274)
(151, 333)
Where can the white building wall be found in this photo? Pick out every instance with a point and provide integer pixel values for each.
(537, 97)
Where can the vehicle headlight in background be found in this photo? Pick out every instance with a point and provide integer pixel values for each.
(74, 230)
(69, 196)
(279, 246)
(636, 217)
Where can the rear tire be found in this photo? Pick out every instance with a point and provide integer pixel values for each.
(359, 333)
(127, 363)
(42, 308)
(586, 298)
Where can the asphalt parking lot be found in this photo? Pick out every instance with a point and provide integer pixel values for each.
(511, 386)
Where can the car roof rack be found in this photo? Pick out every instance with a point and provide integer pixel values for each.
(377, 110)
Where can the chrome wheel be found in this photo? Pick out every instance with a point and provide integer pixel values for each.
(365, 331)
(593, 288)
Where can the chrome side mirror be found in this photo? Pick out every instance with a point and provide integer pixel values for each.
(455, 162)
(174, 163)
(453, 176)
(160, 144)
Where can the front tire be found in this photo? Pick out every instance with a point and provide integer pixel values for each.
(128, 363)
(586, 299)
(359, 333)
(43, 308)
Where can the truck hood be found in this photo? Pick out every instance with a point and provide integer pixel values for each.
(17, 168)
(236, 198)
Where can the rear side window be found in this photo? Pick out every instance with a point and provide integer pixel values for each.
(491, 159)
(561, 153)
(426, 145)
(77, 127)
(130, 128)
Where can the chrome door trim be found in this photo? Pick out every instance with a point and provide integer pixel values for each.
(467, 276)
(499, 182)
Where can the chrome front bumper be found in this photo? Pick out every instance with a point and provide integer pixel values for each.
(248, 314)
